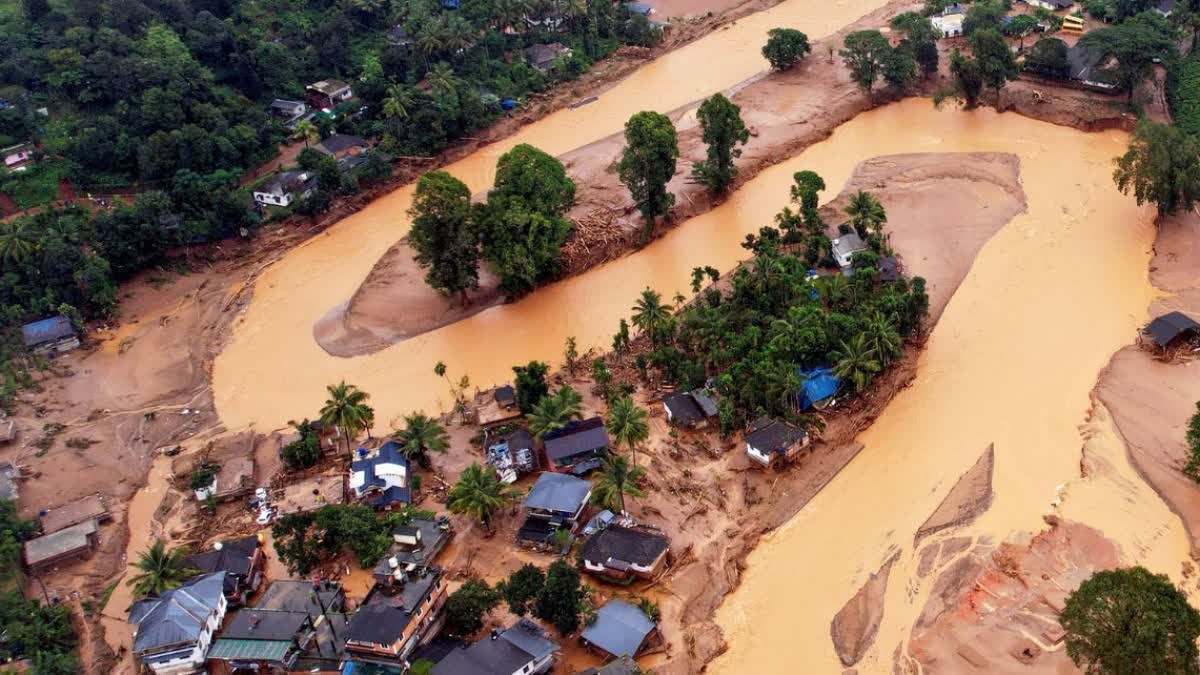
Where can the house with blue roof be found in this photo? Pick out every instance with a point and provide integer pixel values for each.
(620, 629)
(381, 477)
(53, 334)
(173, 632)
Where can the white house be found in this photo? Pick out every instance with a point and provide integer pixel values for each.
(949, 25)
(1052, 5)
(286, 187)
(173, 632)
(770, 439)
(381, 477)
(844, 248)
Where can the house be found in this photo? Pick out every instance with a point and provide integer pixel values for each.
(394, 620)
(543, 57)
(91, 507)
(1164, 8)
(500, 408)
(53, 334)
(173, 632)
(620, 629)
(1166, 329)
(289, 111)
(690, 409)
(521, 649)
(844, 248)
(286, 187)
(327, 94)
(950, 22)
(311, 494)
(234, 480)
(770, 439)
(639, 8)
(293, 595)
(623, 554)
(380, 478)
(342, 145)
(819, 385)
(242, 560)
(396, 36)
(17, 157)
(413, 546)
(261, 640)
(555, 502)
(1052, 5)
(622, 666)
(889, 269)
(1087, 68)
(577, 447)
(72, 542)
(513, 455)
(505, 397)
(8, 482)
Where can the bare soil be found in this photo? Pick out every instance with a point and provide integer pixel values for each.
(969, 497)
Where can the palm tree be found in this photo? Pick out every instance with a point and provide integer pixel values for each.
(617, 478)
(866, 213)
(460, 35)
(347, 409)
(442, 80)
(628, 424)
(833, 290)
(478, 493)
(650, 315)
(306, 130)
(428, 40)
(420, 436)
(856, 362)
(554, 411)
(398, 101)
(883, 338)
(17, 241)
(160, 569)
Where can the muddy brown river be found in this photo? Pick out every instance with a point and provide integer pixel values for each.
(1011, 362)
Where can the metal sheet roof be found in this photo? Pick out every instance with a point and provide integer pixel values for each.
(233, 649)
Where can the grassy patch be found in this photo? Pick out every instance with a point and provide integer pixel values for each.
(35, 186)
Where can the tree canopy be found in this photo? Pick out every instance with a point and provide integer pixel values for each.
(1135, 44)
(785, 47)
(722, 130)
(997, 66)
(1049, 58)
(648, 163)
(1161, 166)
(443, 234)
(866, 54)
(1131, 621)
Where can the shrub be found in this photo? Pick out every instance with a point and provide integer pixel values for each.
(1184, 89)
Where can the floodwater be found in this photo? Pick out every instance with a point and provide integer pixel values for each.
(273, 371)
(1011, 362)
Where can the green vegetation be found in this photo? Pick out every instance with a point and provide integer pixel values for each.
(443, 235)
(648, 163)
(420, 436)
(785, 47)
(628, 424)
(531, 384)
(555, 411)
(41, 633)
(996, 63)
(13, 533)
(521, 588)
(478, 493)
(1131, 621)
(160, 569)
(305, 540)
(1192, 469)
(466, 606)
(560, 598)
(304, 451)
(1183, 88)
(984, 15)
(203, 475)
(870, 57)
(1136, 44)
(774, 321)
(967, 83)
(617, 478)
(1048, 58)
(920, 38)
(1161, 166)
(346, 408)
(723, 130)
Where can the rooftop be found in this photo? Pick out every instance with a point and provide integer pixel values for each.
(558, 492)
(265, 624)
(341, 142)
(502, 653)
(63, 542)
(772, 435)
(619, 629)
(328, 87)
(1167, 328)
(311, 494)
(848, 244)
(622, 666)
(47, 330)
(431, 535)
(8, 486)
(234, 556)
(385, 471)
(177, 616)
(684, 408)
(575, 438)
(294, 595)
(618, 544)
(85, 508)
(386, 611)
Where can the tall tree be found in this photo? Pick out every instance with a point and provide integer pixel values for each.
(555, 411)
(867, 214)
(306, 131)
(1048, 57)
(785, 47)
(1131, 621)
(900, 68)
(443, 234)
(856, 362)
(1192, 469)
(160, 569)
(466, 606)
(1161, 166)
(531, 384)
(478, 493)
(1136, 44)
(420, 436)
(524, 224)
(651, 315)
(522, 588)
(346, 408)
(628, 424)
(984, 15)
(865, 53)
(722, 130)
(648, 164)
(996, 63)
(561, 596)
(17, 241)
(617, 478)
(921, 38)
(968, 80)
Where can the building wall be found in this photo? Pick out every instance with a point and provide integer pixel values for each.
(272, 199)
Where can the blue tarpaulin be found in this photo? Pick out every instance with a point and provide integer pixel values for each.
(819, 384)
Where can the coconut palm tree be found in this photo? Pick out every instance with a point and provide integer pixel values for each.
(617, 478)
(428, 40)
(834, 289)
(478, 493)
(650, 315)
(460, 35)
(420, 436)
(866, 213)
(628, 425)
(442, 80)
(883, 338)
(398, 101)
(307, 131)
(17, 241)
(347, 409)
(553, 412)
(856, 362)
(160, 570)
